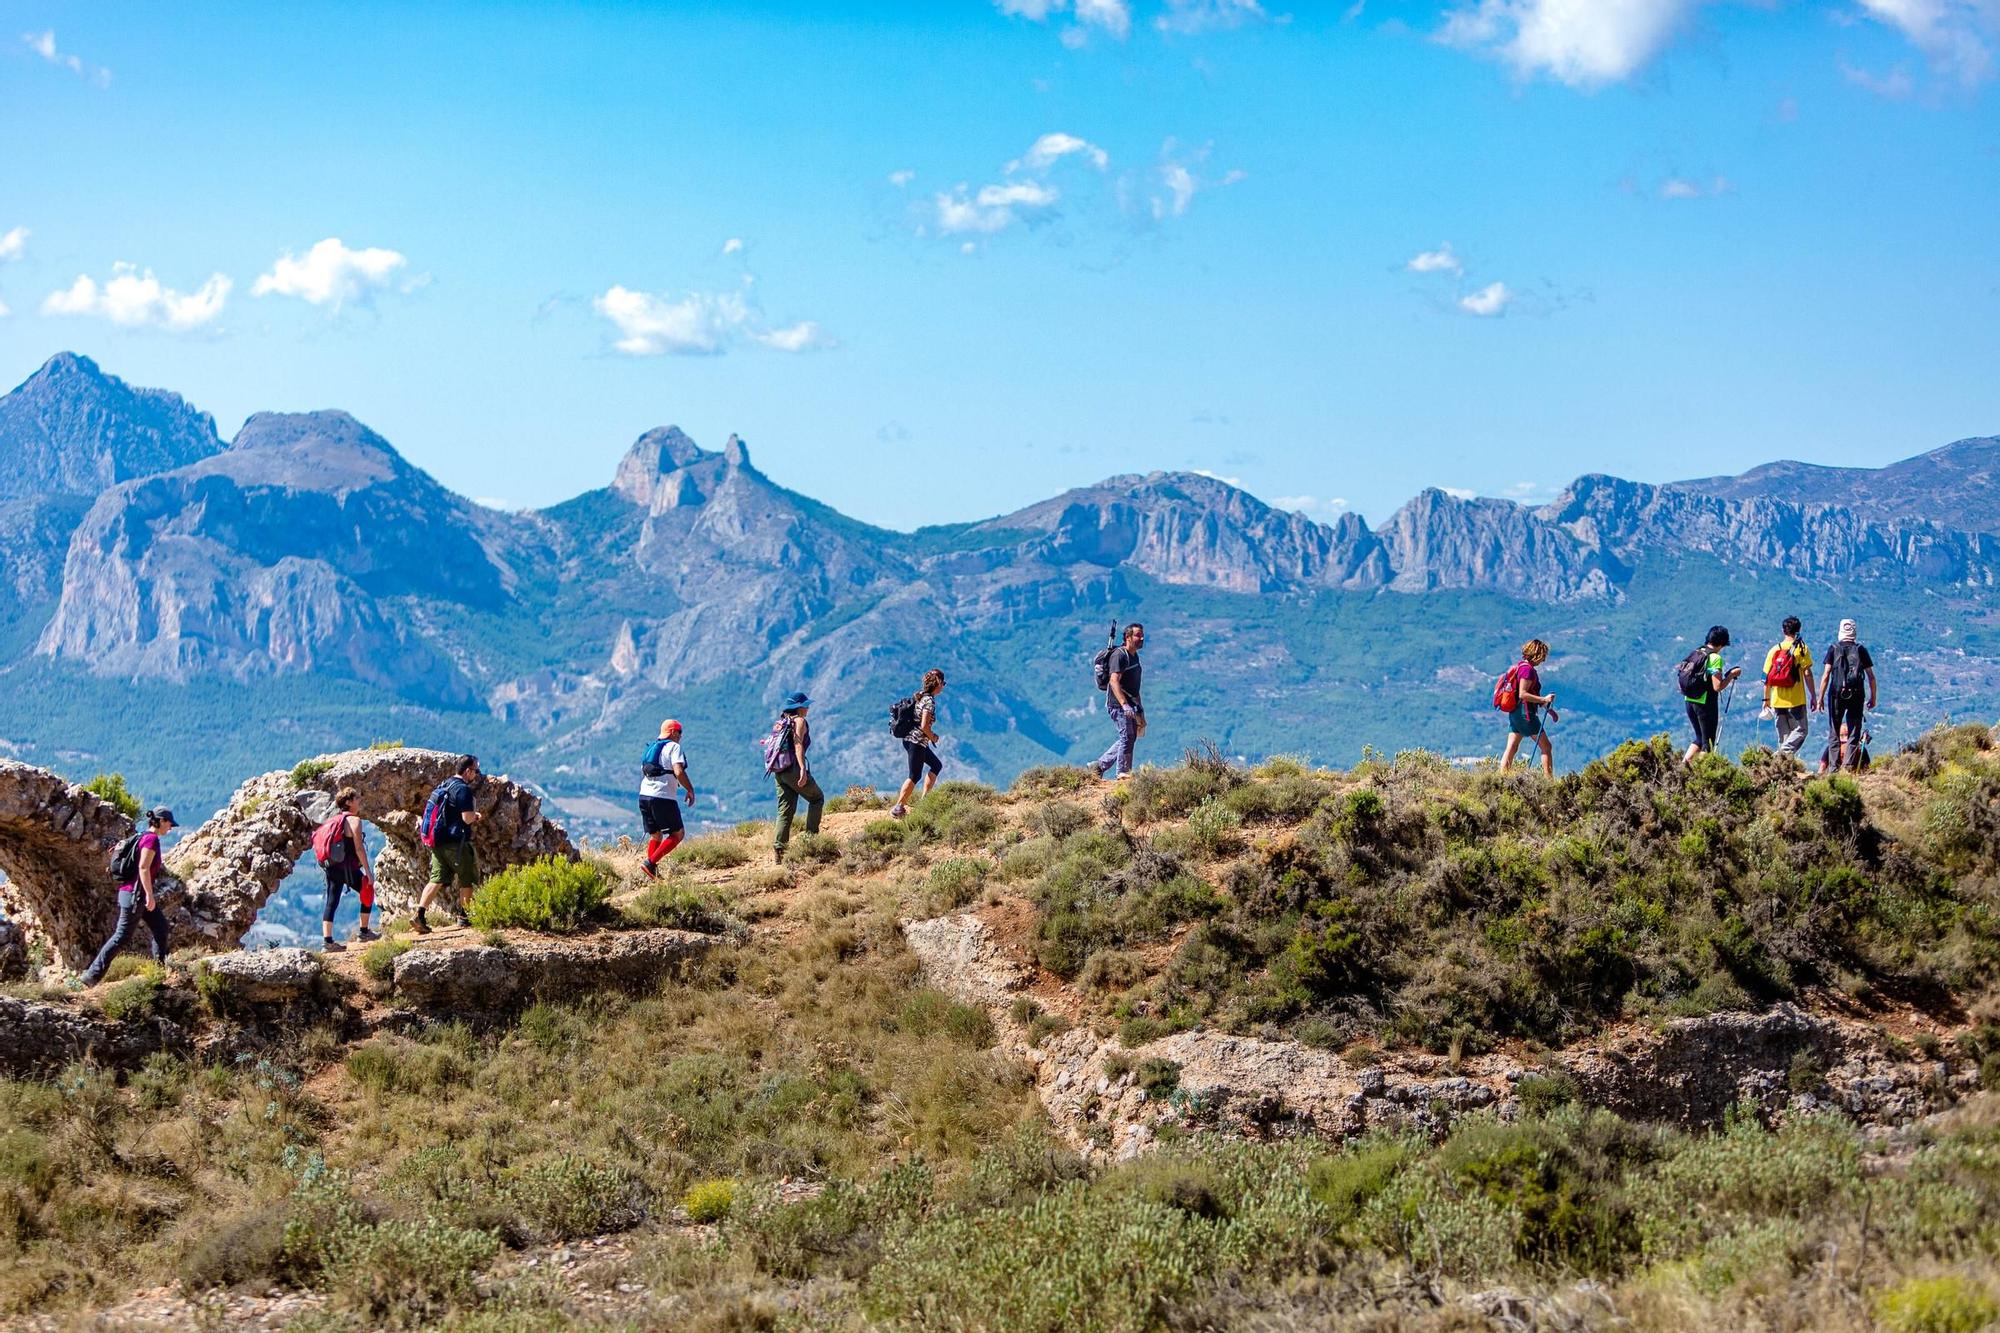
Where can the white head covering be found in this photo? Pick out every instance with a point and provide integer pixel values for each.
(1848, 631)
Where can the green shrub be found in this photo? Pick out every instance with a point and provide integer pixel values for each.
(110, 787)
(571, 1196)
(138, 997)
(814, 849)
(958, 814)
(957, 880)
(1212, 829)
(709, 1200)
(856, 798)
(385, 745)
(378, 960)
(1947, 1304)
(128, 965)
(1058, 819)
(1158, 1076)
(712, 854)
(1345, 1185)
(404, 1273)
(308, 771)
(553, 894)
(1053, 780)
(398, 1065)
(929, 1011)
(679, 904)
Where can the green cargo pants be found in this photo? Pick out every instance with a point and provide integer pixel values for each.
(790, 788)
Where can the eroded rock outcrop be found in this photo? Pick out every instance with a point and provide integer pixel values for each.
(488, 979)
(266, 976)
(56, 841)
(38, 1038)
(232, 863)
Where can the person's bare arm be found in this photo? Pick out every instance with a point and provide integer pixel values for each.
(1871, 687)
(681, 776)
(1825, 677)
(149, 869)
(801, 735)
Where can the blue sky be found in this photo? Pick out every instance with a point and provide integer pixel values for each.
(936, 260)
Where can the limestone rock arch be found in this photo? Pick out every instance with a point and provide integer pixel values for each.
(55, 849)
(235, 861)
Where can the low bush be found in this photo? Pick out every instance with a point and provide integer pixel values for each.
(709, 1200)
(378, 960)
(308, 771)
(110, 787)
(1945, 1304)
(571, 1196)
(1053, 780)
(711, 854)
(137, 997)
(856, 798)
(956, 881)
(553, 894)
(678, 903)
(813, 849)
(958, 814)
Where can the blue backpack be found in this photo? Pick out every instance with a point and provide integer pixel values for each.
(434, 816)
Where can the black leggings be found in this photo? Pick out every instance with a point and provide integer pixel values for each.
(339, 878)
(922, 757)
(1706, 719)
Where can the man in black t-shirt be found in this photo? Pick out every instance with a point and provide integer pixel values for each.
(1847, 693)
(1122, 696)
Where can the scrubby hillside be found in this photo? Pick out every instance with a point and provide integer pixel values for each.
(1409, 1046)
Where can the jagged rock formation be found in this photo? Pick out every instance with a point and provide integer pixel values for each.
(70, 429)
(232, 863)
(56, 841)
(286, 553)
(1957, 486)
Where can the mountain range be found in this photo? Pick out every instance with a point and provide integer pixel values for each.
(305, 581)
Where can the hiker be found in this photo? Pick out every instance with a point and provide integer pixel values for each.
(342, 848)
(1790, 694)
(447, 828)
(664, 765)
(920, 742)
(137, 896)
(1524, 717)
(1703, 678)
(785, 760)
(1122, 699)
(1847, 693)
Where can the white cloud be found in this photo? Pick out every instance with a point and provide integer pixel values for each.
(1681, 187)
(1460, 492)
(1311, 506)
(331, 274)
(135, 299)
(1189, 17)
(1111, 16)
(1956, 36)
(1489, 300)
(901, 178)
(4, 311)
(13, 244)
(733, 246)
(995, 208)
(43, 44)
(698, 324)
(1440, 260)
(1895, 85)
(1050, 149)
(1182, 183)
(1584, 43)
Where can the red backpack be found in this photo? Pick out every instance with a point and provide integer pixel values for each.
(1507, 690)
(1784, 666)
(330, 841)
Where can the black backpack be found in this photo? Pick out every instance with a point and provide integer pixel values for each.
(903, 717)
(125, 861)
(1692, 674)
(1100, 665)
(1850, 682)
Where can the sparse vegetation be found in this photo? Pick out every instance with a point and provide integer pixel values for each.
(711, 854)
(308, 771)
(111, 788)
(378, 960)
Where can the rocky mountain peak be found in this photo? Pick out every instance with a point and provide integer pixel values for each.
(664, 469)
(71, 429)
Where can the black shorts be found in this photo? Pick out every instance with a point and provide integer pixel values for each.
(660, 814)
(1706, 719)
(922, 757)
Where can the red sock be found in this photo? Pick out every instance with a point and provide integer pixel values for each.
(653, 847)
(668, 843)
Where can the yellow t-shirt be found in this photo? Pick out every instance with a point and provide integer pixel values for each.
(1793, 695)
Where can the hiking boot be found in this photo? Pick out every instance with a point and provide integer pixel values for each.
(899, 811)
(365, 936)
(650, 870)
(420, 926)
(332, 946)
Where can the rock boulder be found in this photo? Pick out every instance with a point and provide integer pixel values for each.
(266, 976)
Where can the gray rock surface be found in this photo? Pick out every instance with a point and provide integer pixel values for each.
(38, 1039)
(265, 976)
(13, 951)
(960, 957)
(482, 978)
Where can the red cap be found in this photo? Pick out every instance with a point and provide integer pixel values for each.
(671, 725)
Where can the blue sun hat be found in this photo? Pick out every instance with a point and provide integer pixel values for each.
(797, 701)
